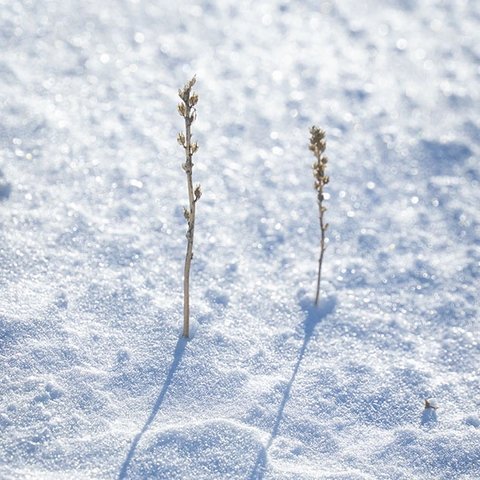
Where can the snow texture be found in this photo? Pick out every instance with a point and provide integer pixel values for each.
(96, 382)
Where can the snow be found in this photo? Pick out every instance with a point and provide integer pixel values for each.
(96, 381)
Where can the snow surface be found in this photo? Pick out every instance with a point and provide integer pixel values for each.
(96, 382)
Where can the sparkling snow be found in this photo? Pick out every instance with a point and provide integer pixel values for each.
(96, 382)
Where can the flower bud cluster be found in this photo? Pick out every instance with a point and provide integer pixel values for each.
(190, 99)
(318, 145)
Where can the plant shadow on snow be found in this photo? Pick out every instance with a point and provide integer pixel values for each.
(177, 357)
(313, 316)
(5, 187)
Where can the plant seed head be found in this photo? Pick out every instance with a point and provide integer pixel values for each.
(184, 93)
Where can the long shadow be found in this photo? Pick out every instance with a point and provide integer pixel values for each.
(313, 316)
(177, 356)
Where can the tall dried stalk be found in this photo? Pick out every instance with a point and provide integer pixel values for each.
(317, 146)
(188, 111)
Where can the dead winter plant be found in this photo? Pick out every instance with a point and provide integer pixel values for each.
(317, 146)
(187, 109)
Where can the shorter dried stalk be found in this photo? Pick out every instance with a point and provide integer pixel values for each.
(317, 146)
(187, 110)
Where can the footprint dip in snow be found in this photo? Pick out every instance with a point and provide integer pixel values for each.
(429, 416)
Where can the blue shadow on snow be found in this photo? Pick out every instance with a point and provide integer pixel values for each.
(177, 356)
(313, 316)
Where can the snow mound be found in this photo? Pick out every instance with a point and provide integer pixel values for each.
(207, 448)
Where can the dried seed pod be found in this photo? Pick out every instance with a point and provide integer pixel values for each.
(193, 99)
(198, 192)
(181, 109)
(181, 139)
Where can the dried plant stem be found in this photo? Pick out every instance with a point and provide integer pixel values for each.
(322, 250)
(190, 232)
(318, 146)
(188, 111)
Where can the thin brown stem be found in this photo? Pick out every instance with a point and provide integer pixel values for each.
(187, 110)
(191, 227)
(318, 146)
(322, 250)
